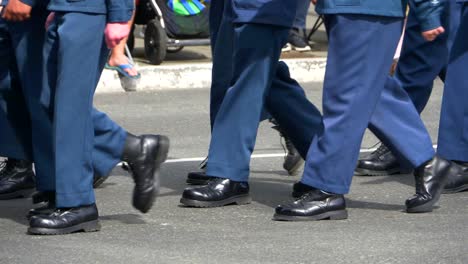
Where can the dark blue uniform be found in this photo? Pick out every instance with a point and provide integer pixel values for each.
(21, 59)
(362, 39)
(346, 111)
(246, 77)
(22, 43)
(453, 128)
(85, 141)
(421, 61)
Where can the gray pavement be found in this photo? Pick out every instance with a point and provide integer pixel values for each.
(377, 231)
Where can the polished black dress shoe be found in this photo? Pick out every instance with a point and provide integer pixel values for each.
(65, 221)
(47, 199)
(197, 178)
(300, 189)
(379, 162)
(218, 192)
(312, 206)
(144, 156)
(457, 180)
(430, 179)
(292, 160)
(16, 180)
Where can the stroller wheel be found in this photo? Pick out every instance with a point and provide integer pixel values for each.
(174, 49)
(155, 42)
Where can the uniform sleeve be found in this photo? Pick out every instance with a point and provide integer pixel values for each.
(4, 3)
(119, 10)
(429, 13)
(30, 2)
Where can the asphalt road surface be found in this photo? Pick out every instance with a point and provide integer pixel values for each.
(377, 231)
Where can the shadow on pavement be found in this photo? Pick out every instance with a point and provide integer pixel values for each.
(129, 219)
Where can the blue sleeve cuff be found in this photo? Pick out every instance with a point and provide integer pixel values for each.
(119, 15)
(430, 22)
(119, 10)
(4, 3)
(429, 13)
(30, 2)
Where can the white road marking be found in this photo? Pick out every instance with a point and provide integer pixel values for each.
(258, 156)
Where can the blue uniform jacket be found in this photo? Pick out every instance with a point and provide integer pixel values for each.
(271, 12)
(116, 10)
(428, 11)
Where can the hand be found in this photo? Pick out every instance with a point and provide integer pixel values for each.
(16, 10)
(432, 34)
(115, 32)
(314, 2)
(49, 19)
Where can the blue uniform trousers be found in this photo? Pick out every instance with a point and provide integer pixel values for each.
(419, 64)
(85, 141)
(22, 47)
(453, 127)
(223, 58)
(247, 79)
(360, 53)
(422, 61)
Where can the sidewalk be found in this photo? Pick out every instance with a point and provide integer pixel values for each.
(191, 67)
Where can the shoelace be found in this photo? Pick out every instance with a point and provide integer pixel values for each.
(6, 167)
(214, 181)
(283, 139)
(3, 164)
(202, 164)
(382, 149)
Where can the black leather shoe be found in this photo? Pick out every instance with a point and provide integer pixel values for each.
(198, 178)
(300, 189)
(379, 162)
(16, 180)
(312, 206)
(65, 221)
(48, 201)
(293, 160)
(144, 156)
(430, 180)
(218, 192)
(457, 180)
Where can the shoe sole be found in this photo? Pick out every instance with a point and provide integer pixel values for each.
(160, 157)
(91, 226)
(333, 215)
(239, 200)
(462, 188)
(367, 172)
(424, 208)
(24, 193)
(295, 169)
(305, 49)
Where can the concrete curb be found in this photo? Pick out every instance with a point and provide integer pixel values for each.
(198, 75)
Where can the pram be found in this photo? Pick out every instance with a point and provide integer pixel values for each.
(167, 31)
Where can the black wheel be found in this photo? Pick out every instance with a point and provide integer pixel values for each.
(155, 42)
(131, 40)
(174, 49)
